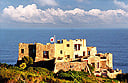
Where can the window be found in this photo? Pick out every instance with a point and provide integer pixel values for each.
(75, 46)
(22, 50)
(83, 53)
(59, 58)
(45, 54)
(58, 41)
(76, 56)
(88, 52)
(61, 52)
(78, 46)
(68, 56)
(98, 55)
(68, 45)
(102, 57)
(98, 65)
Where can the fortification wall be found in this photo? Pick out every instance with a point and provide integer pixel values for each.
(73, 66)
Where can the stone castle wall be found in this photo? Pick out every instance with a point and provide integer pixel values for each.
(24, 47)
(39, 51)
(73, 66)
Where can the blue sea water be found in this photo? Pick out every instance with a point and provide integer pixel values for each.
(113, 41)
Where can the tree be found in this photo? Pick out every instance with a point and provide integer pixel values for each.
(28, 60)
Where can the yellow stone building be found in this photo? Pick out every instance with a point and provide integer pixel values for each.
(64, 52)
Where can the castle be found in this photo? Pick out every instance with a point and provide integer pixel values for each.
(70, 55)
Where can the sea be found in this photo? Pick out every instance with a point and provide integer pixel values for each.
(106, 40)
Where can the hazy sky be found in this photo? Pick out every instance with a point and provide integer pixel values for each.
(64, 13)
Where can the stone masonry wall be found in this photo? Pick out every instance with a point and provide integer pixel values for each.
(25, 48)
(73, 66)
(39, 51)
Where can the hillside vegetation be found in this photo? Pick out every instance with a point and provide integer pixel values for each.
(15, 74)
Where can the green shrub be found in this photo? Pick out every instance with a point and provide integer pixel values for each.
(23, 65)
(91, 67)
(76, 76)
(39, 74)
(30, 69)
(3, 65)
(43, 71)
(28, 60)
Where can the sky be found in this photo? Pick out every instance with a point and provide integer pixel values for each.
(63, 13)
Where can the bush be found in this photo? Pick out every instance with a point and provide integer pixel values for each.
(69, 75)
(28, 60)
(23, 65)
(30, 69)
(43, 71)
(39, 74)
(14, 67)
(3, 65)
(122, 77)
(91, 68)
(76, 76)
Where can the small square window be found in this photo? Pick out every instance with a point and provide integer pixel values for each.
(76, 56)
(68, 56)
(22, 50)
(46, 54)
(68, 45)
